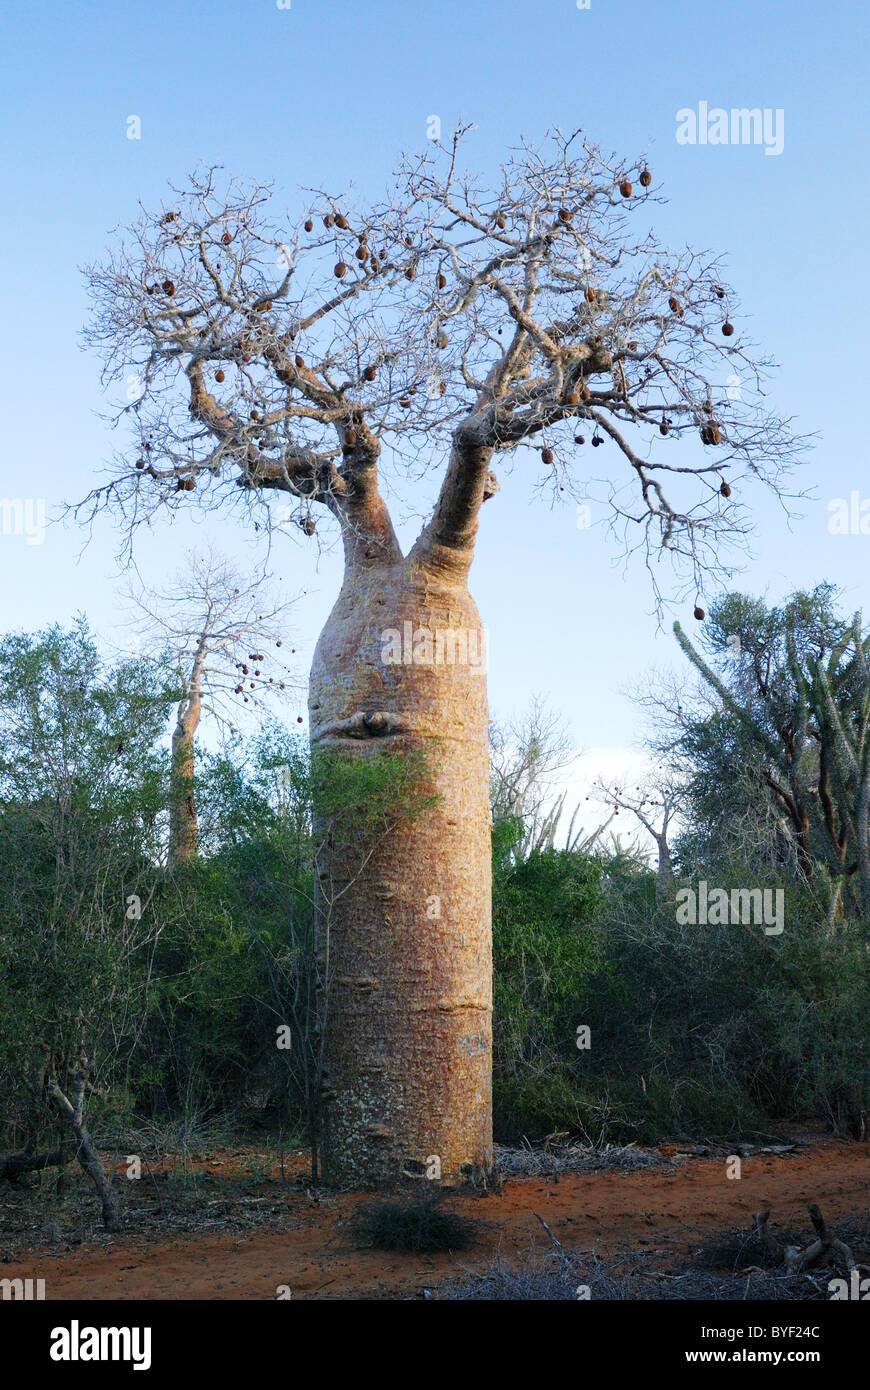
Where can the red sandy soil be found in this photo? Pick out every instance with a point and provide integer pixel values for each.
(660, 1212)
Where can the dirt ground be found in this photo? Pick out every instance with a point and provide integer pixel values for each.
(269, 1231)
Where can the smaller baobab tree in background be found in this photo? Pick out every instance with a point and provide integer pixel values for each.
(655, 804)
(221, 639)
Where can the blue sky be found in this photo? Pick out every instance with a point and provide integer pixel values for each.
(330, 94)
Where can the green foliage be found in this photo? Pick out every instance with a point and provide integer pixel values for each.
(780, 773)
(545, 946)
(82, 790)
(360, 797)
(696, 1032)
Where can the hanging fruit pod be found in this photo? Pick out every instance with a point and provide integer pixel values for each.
(711, 434)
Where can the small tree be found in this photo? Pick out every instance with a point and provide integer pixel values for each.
(654, 804)
(206, 622)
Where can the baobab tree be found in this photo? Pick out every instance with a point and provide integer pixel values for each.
(446, 326)
(655, 803)
(211, 622)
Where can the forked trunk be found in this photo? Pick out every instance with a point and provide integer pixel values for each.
(404, 925)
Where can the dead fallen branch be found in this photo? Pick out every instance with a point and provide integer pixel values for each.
(792, 1257)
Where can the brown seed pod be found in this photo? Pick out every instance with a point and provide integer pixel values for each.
(674, 305)
(185, 485)
(369, 374)
(565, 215)
(340, 270)
(278, 643)
(410, 273)
(645, 177)
(625, 188)
(725, 489)
(500, 223)
(309, 225)
(579, 439)
(547, 456)
(264, 307)
(168, 288)
(591, 294)
(442, 282)
(700, 615)
(299, 716)
(341, 221)
(220, 376)
(664, 427)
(239, 689)
(308, 526)
(140, 463)
(404, 402)
(227, 238)
(299, 360)
(727, 329)
(596, 441)
(720, 293)
(328, 220)
(362, 254)
(711, 434)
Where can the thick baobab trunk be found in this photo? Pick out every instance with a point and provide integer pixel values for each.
(404, 923)
(183, 828)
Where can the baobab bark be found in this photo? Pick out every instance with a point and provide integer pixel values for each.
(666, 886)
(404, 925)
(183, 826)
